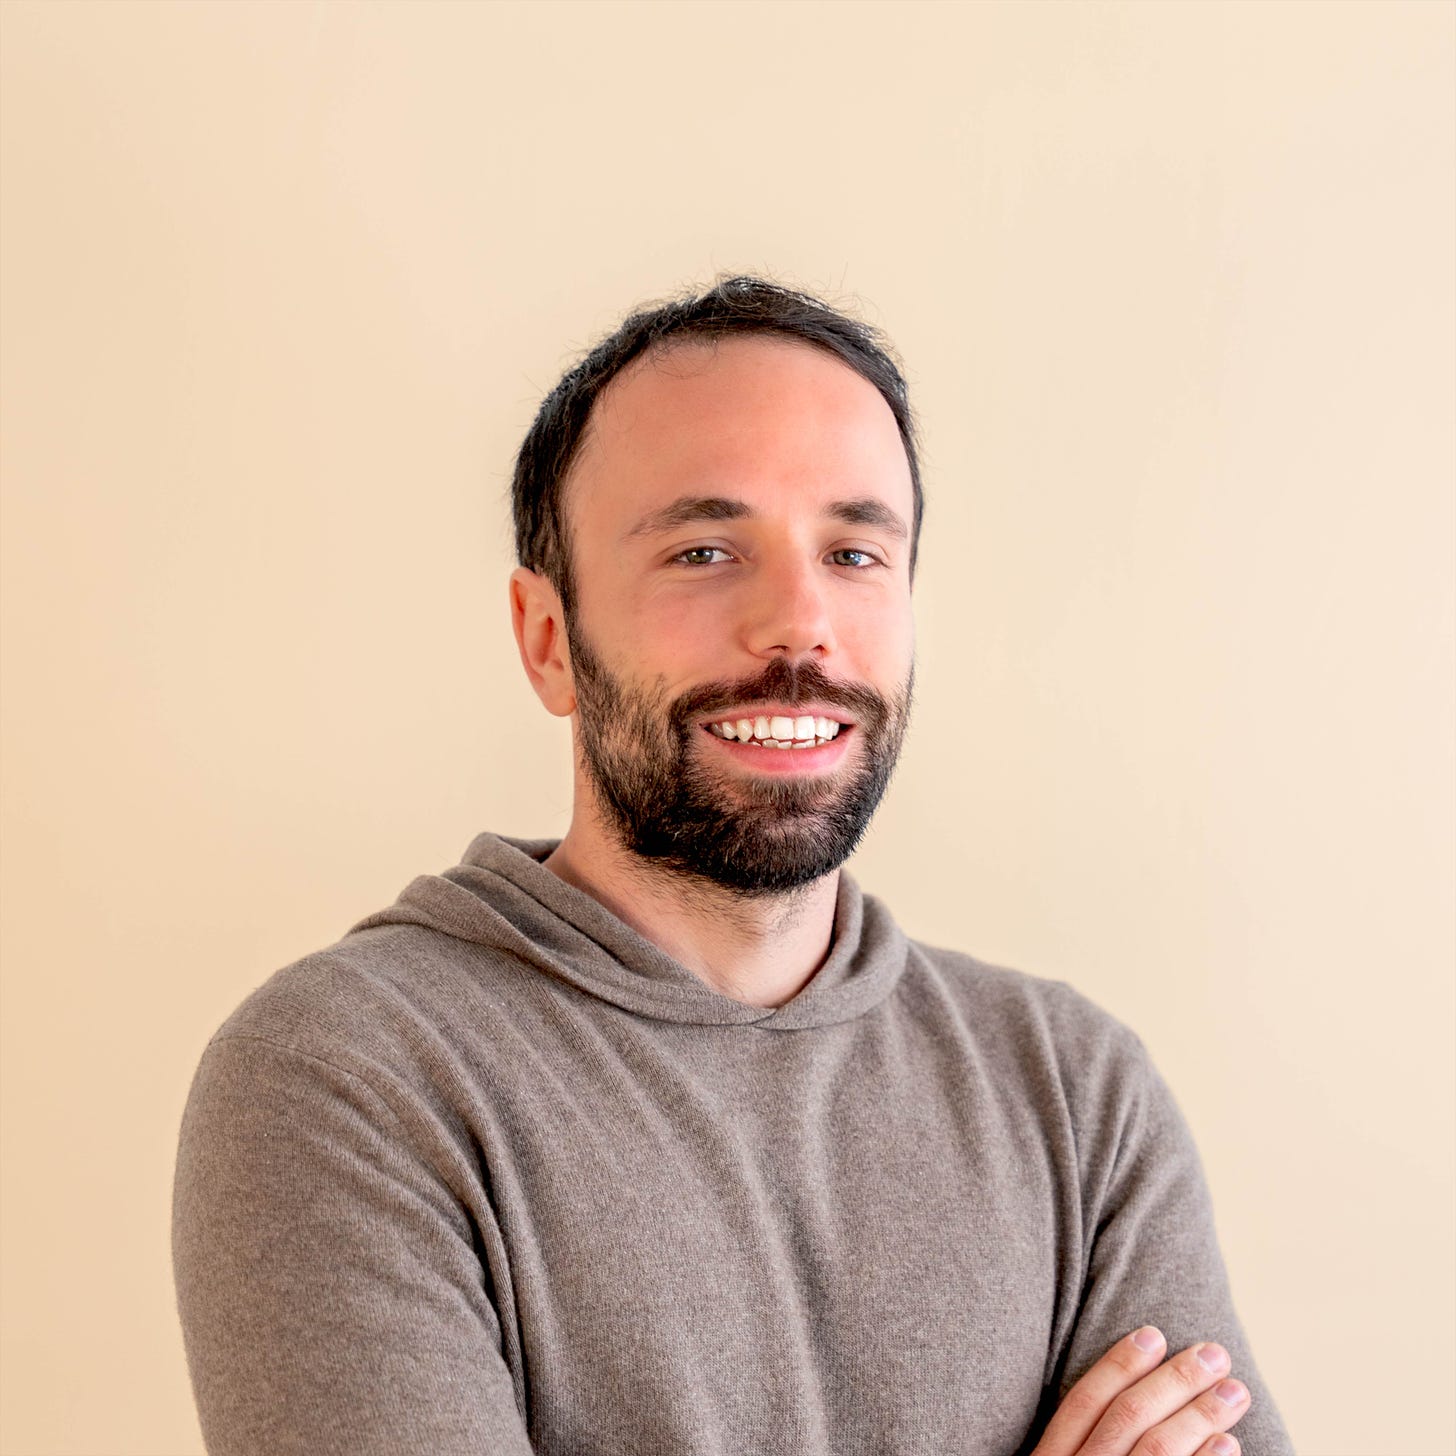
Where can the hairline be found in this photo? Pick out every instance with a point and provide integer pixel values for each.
(708, 339)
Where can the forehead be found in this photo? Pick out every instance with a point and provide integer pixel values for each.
(763, 418)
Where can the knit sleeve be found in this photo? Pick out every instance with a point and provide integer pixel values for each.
(330, 1287)
(1152, 1255)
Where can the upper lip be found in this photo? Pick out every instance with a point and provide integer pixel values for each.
(779, 710)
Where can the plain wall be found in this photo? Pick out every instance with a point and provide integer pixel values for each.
(283, 286)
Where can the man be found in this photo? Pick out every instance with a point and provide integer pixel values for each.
(663, 1138)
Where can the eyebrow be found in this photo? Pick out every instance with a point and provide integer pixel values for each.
(862, 511)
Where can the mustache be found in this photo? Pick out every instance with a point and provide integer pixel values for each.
(786, 682)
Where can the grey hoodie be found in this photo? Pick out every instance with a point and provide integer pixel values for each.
(493, 1174)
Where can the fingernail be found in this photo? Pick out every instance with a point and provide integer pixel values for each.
(1148, 1339)
(1224, 1446)
(1213, 1358)
(1230, 1392)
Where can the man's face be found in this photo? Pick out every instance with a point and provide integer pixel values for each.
(742, 640)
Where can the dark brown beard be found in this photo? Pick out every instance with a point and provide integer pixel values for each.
(765, 835)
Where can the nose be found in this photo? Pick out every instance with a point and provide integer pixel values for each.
(789, 613)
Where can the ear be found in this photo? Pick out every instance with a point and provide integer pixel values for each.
(540, 627)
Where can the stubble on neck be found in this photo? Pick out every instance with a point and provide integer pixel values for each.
(761, 950)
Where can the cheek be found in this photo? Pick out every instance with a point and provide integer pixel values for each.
(674, 635)
(880, 643)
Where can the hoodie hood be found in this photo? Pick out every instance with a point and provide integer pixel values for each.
(502, 896)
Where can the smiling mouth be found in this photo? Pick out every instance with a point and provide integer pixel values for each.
(761, 732)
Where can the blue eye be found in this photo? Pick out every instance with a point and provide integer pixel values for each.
(865, 559)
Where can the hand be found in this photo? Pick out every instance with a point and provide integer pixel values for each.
(1133, 1403)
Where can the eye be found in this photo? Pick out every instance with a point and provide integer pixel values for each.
(701, 555)
(863, 558)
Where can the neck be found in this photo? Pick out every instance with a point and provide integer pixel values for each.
(761, 950)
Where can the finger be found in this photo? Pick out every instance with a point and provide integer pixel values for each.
(1155, 1397)
(1185, 1431)
(1220, 1446)
(1127, 1362)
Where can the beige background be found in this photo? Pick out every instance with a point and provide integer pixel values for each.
(283, 285)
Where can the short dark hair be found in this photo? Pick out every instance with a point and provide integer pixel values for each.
(733, 306)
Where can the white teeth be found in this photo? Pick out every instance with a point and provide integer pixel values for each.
(805, 732)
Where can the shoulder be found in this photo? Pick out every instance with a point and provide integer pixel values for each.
(328, 1000)
(1051, 1047)
(391, 1005)
(387, 1040)
(1015, 996)
(1030, 1023)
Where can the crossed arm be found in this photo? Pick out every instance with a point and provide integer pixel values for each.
(1133, 1402)
(1153, 1256)
(405, 1355)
